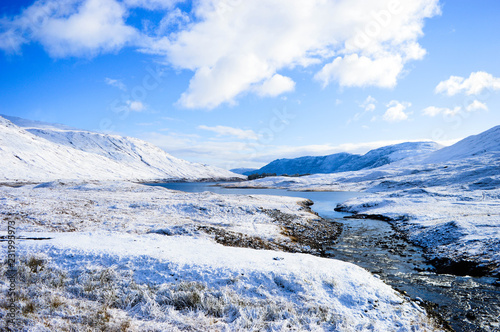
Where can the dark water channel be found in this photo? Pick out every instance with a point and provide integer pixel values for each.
(465, 303)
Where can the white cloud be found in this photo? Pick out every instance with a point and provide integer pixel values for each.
(245, 43)
(473, 85)
(476, 105)
(116, 83)
(136, 106)
(229, 131)
(152, 4)
(72, 28)
(369, 104)
(238, 46)
(353, 70)
(10, 40)
(212, 86)
(433, 111)
(395, 112)
(275, 86)
(174, 19)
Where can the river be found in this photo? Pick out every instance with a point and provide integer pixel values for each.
(465, 303)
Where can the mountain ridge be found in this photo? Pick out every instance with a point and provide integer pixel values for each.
(343, 161)
(472, 146)
(52, 153)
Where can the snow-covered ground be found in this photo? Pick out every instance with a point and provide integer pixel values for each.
(139, 209)
(124, 256)
(448, 202)
(38, 152)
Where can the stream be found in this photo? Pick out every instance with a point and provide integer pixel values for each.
(465, 303)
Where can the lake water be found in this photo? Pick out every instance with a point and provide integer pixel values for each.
(466, 303)
(324, 201)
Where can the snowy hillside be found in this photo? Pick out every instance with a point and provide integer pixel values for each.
(157, 263)
(487, 142)
(343, 162)
(48, 153)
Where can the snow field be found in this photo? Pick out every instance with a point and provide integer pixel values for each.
(107, 267)
(153, 282)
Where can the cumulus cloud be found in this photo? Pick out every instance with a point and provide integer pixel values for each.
(395, 111)
(246, 43)
(136, 106)
(432, 111)
(71, 27)
(476, 105)
(473, 85)
(229, 131)
(275, 86)
(212, 86)
(357, 71)
(235, 47)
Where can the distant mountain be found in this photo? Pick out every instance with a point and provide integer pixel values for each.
(243, 170)
(487, 142)
(343, 162)
(41, 152)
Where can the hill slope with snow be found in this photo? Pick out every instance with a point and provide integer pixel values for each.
(54, 152)
(487, 142)
(344, 162)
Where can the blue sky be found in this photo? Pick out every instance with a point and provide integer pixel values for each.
(235, 83)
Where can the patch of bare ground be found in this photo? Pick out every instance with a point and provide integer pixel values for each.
(311, 236)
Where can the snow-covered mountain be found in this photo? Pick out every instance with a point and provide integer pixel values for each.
(41, 152)
(26, 123)
(343, 162)
(487, 142)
